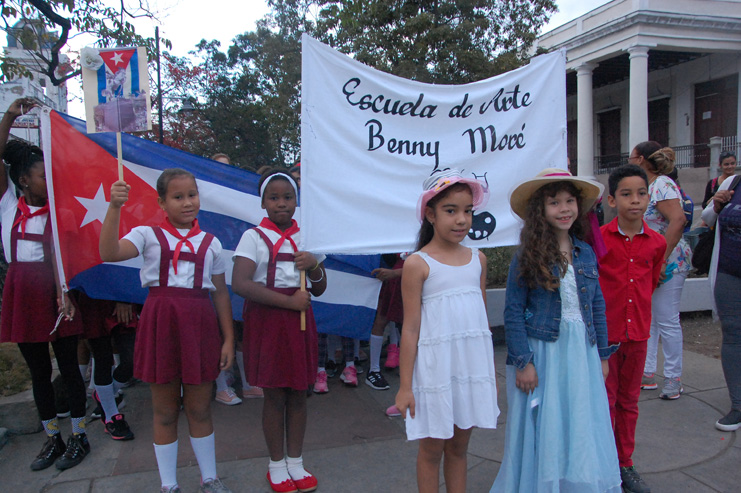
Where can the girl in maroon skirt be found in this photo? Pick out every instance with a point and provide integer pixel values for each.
(177, 342)
(32, 295)
(281, 357)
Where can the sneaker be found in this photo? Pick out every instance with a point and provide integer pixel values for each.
(729, 422)
(331, 368)
(632, 481)
(118, 428)
(350, 376)
(376, 381)
(228, 397)
(77, 448)
(320, 385)
(53, 448)
(170, 489)
(392, 411)
(672, 389)
(287, 486)
(253, 393)
(648, 382)
(98, 412)
(213, 486)
(392, 356)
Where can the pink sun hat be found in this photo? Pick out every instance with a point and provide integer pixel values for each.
(439, 181)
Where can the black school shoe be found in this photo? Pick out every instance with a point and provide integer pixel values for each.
(53, 448)
(77, 448)
(632, 481)
(376, 381)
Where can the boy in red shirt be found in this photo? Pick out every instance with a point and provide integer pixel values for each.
(629, 272)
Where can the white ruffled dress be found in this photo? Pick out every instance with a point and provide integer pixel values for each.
(453, 380)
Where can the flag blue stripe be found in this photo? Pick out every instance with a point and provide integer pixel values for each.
(134, 66)
(349, 321)
(101, 85)
(226, 228)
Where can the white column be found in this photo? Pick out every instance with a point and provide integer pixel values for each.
(584, 120)
(638, 105)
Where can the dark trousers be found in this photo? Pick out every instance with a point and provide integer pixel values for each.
(728, 302)
(38, 360)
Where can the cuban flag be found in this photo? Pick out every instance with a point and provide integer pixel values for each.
(80, 169)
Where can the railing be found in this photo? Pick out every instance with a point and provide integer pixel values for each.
(688, 156)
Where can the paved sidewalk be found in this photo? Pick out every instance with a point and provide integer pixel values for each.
(352, 446)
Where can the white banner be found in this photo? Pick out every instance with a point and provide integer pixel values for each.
(369, 139)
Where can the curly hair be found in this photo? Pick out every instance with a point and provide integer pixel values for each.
(21, 157)
(660, 159)
(539, 250)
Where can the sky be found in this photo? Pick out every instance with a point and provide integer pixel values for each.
(233, 17)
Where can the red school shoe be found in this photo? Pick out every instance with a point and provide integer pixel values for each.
(307, 483)
(287, 486)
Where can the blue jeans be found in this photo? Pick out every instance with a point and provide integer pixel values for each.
(727, 289)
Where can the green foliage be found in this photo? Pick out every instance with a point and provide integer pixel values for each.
(497, 265)
(47, 25)
(443, 42)
(14, 374)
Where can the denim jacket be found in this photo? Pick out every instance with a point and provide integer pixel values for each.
(537, 312)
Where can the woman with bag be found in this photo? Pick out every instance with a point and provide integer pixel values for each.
(725, 282)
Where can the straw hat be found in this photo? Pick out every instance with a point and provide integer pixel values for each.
(439, 181)
(520, 195)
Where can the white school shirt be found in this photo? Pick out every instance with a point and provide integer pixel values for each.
(253, 247)
(148, 246)
(26, 251)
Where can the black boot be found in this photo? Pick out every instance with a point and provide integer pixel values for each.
(77, 448)
(53, 448)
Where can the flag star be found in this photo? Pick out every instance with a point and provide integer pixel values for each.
(117, 58)
(96, 207)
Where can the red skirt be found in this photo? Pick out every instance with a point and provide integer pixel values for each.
(94, 314)
(389, 301)
(29, 309)
(178, 337)
(278, 353)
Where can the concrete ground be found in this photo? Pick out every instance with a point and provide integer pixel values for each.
(352, 446)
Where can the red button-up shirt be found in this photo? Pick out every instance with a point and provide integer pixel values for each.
(629, 273)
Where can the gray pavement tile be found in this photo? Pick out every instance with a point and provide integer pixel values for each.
(70, 486)
(676, 482)
(716, 398)
(722, 473)
(668, 436)
(488, 444)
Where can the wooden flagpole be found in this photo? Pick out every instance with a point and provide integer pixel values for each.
(303, 312)
(120, 156)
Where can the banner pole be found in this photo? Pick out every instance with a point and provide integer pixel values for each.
(120, 156)
(303, 312)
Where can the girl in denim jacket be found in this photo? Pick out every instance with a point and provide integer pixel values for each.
(559, 436)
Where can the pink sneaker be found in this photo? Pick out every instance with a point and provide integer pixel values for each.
(393, 411)
(253, 393)
(350, 376)
(392, 356)
(320, 385)
(228, 397)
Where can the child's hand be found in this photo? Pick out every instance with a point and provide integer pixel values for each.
(227, 356)
(119, 194)
(124, 313)
(404, 401)
(20, 107)
(386, 274)
(305, 260)
(299, 301)
(66, 306)
(605, 369)
(527, 378)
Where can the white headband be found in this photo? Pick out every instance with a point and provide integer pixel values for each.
(276, 175)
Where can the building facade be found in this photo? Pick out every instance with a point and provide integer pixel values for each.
(664, 70)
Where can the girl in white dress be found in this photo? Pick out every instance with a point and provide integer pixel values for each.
(448, 384)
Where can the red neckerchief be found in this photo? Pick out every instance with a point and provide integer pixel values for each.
(182, 240)
(26, 214)
(292, 229)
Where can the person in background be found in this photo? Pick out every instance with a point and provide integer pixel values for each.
(727, 165)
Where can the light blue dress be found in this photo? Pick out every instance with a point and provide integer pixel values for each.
(559, 438)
